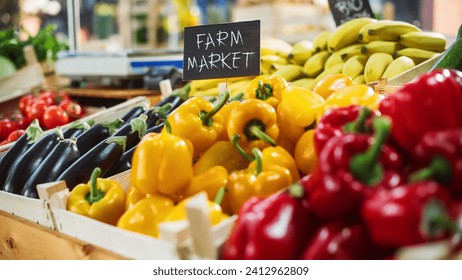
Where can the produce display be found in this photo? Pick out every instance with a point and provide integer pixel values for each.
(50, 108)
(311, 161)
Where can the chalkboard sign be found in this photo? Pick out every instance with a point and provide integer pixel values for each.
(222, 50)
(344, 10)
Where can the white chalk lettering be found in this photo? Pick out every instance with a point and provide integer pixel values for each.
(203, 63)
(223, 63)
(192, 62)
(198, 40)
(213, 61)
(221, 36)
(236, 38)
(236, 57)
(247, 58)
(209, 41)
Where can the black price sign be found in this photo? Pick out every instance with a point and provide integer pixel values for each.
(222, 50)
(345, 10)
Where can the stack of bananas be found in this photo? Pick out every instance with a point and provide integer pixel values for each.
(365, 49)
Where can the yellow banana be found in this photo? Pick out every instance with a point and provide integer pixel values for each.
(290, 72)
(315, 64)
(303, 82)
(336, 69)
(417, 55)
(347, 33)
(320, 41)
(363, 35)
(333, 59)
(390, 30)
(274, 46)
(359, 79)
(301, 51)
(354, 66)
(210, 83)
(376, 66)
(350, 51)
(380, 47)
(398, 66)
(270, 59)
(430, 41)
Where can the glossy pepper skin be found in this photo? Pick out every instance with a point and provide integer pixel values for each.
(437, 91)
(220, 153)
(349, 167)
(278, 156)
(251, 121)
(262, 181)
(267, 88)
(162, 164)
(275, 227)
(297, 111)
(225, 111)
(100, 199)
(439, 157)
(199, 121)
(340, 240)
(145, 215)
(339, 121)
(397, 217)
(305, 153)
(362, 95)
(332, 83)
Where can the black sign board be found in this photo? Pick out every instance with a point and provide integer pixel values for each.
(344, 10)
(222, 50)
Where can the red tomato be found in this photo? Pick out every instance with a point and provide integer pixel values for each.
(73, 109)
(6, 127)
(54, 116)
(36, 110)
(48, 97)
(20, 119)
(61, 96)
(15, 135)
(25, 101)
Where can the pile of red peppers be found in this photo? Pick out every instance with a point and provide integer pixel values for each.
(385, 179)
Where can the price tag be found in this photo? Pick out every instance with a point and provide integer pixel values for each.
(345, 10)
(222, 50)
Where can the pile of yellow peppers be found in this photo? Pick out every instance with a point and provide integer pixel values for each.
(256, 143)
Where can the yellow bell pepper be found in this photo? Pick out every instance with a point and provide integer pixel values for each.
(266, 88)
(263, 180)
(144, 216)
(286, 143)
(132, 196)
(220, 153)
(278, 156)
(332, 83)
(356, 94)
(225, 111)
(305, 154)
(179, 213)
(100, 199)
(297, 111)
(253, 123)
(199, 121)
(162, 164)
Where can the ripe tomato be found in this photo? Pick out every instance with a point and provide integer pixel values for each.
(35, 110)
(54, 116)
(25, 101)
(72, 109)
(60, 96)
(6, 127)
(15, 135)
(48, 97)
(20, 119)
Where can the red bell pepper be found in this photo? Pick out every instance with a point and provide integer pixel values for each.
(432, 102)
(340, 240)
(408, 214)
(349, 167)
(439, 155)
(276, 227)
(339, 121)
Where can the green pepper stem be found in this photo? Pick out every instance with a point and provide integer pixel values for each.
(257, 131)
(236, 97)
(439, 169)
(222, 99)
(95, 194)
(358, 125)
(220, 195)
(162, 110)
(366, 166)
(182, 92)
(234, 139)
(259, 163)
(263, 91)
(435, 220)
(167, 125)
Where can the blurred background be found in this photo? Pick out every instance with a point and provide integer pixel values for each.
(111, 25)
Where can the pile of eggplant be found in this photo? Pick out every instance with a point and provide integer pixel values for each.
(71, 155)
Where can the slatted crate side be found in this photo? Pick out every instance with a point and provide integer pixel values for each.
(34, 210)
